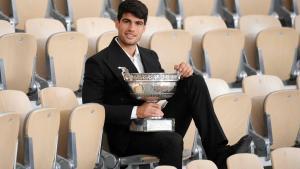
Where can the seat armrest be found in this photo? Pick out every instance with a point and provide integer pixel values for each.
(175, 19)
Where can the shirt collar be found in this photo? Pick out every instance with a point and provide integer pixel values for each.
(136, 53)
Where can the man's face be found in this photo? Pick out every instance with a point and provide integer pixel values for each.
(130, 29)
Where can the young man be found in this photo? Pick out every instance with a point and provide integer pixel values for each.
(104, 84)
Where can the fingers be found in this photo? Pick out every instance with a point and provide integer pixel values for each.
(184, 69)
(149, 110)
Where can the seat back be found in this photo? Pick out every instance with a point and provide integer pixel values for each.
(197, 26)
(6, 27)
(245, 161)
(87, 117)
(198, 7)
(64, 100)
(257, 87)
(154, 24)
(297, 23)
(92, 28)
(67, 53)
(277, 49)
(164, 167)
(16, 101)
(223, 46)
(17, 52)
(298, 82)
(30, 9)
(217, 87)
(153, 6)
(233, 111)
(88, 8)
(246, 7)
(296, 6)
(283, 108)
(197, 164)
(251, 25)
(9, 129)
(287, 158)
(41, 133)
(105, 39)
(42, 29)
(169, 52)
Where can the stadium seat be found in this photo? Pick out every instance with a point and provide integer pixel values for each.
(155, 7)
(9, 129)
(286, 158)
(251, 25)
(278, 50)
(93, 28)
(67, 53)
(105, 39)
(164, 167)
(287, 10)
(42, 29)
(197, 26)
(6, 27)
(217, 87)
(199, 164)
(245, 161)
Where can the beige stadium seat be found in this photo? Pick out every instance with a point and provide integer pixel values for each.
(245, 161)
(223, 46)
(93, 28)
(297, 23)
(17, 55)
(288, 11)
(277, 49)
(155, 7)
(105, 39)
(154, 24)
(286, 158)
(41, 133)
(67, 52)
(171, 53)
(165, 167)
(217, 87)
(9, 129)
(283, 109)
(42, 29)
(199, 164)
(6, 27)
(298, 82)
(197, 26)
(251, 25)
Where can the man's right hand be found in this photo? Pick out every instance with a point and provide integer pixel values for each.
(149, 110)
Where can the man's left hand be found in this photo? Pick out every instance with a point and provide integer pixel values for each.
(184, 69)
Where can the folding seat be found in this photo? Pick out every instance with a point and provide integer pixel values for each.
(66, 52)
(283, 109)
(198, 26)
(18, 52)
(6, 28)
(251, 25)
(258, 87)
(286, 158)
(277, 49)
(153, 25)
(217, 87)
(93, 28)
(105, 39)
(245, 161)
(42, 29)
(198, 164)
(9, 129)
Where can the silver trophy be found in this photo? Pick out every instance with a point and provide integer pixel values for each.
(151, 87)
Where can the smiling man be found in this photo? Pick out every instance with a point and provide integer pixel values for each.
(104, 84)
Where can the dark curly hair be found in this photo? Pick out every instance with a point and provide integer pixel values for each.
(136, 7)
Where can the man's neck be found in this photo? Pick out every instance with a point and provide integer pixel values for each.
(130, 49)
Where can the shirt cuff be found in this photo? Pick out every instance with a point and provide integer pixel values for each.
(133, 113)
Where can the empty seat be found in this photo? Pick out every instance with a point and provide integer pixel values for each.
(67, 52)
(105, 39)
(245, 161)
(155, 7)
(198, 164)
(93, 28)
(42, 29)
(6, 27)
(197, 26)
(251, 25)
(277, 49)
(9, 129)
(217, 87)
(286, 158)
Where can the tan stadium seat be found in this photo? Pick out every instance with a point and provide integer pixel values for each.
(283, 109)
(277, 49)
(17, 55)
(6, 27)
(198, 26)
(9, 129)
(67, 52)
(93, 28)
(251, 25)
(164, 167)
(297, 23)
(217, 87)
(286, 158)
(245, 161)
(223, 46)
(154, 7)
(41, 133)
(105, 39)
(42, 29)
(199, 164)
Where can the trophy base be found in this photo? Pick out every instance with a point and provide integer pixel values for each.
(152, 125)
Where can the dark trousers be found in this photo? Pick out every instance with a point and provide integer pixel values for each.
(191, 101)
